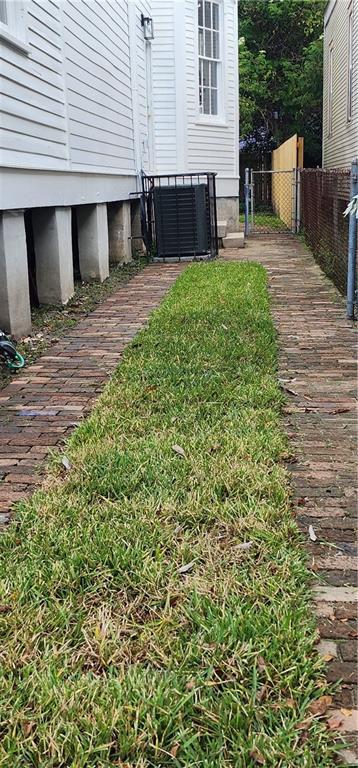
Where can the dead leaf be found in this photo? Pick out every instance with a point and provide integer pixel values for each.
(257, 756)
(245, 545)
(187, 567)
(261, 663)
(214, 447)
(27, 728)
(340, 410)
(66, 462)
(346, 712)
(328, 657)
(291, 391)
(190, 685)
(320, 706)
(311, 533)
(334, 722)
(304, 724)
(290, 703)
(179, 450)
(5, 608)
(302, 501)
(174, 749)
(262, 693)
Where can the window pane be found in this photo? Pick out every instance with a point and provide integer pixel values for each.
(200, 13)
(214, 101)
(3, 14)
(208, 15)
(201, 42)
(214, 75)
(206, 67)
(215, 16)
(206, 101)
(216, 52)
(208, 48)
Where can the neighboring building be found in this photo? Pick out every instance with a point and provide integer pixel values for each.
(340, 84)
(88, 101)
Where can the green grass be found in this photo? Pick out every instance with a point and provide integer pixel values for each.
(110, 654)
(266, 222)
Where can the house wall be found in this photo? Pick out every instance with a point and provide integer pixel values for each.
(341, 146)
(74, 124)
(186, 140)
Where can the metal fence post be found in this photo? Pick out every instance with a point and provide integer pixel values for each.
(247, 200)
(352, 246)
(252, 197)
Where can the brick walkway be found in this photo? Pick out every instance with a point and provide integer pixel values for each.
(317, 363)
(42, 405)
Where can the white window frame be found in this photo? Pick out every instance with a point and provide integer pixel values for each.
(350, 64)
(14, 31)
(330, 89)
(219, 116)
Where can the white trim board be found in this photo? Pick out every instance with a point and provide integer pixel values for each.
(61, 188)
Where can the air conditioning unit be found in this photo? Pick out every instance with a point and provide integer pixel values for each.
(182, 220)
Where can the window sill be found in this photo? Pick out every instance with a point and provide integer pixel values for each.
(15, 42)
(215, 122)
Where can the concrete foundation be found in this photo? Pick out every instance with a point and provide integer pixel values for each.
(228, 210)
(53, 250)
(15, 316)
(119, 232)
(93, 242)
(136, 227)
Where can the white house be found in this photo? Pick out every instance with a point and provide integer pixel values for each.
(340, 84)
(93, 92)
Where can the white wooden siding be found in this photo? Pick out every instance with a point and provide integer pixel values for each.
(164, 85)
(75, 100)
(341, 146)
(69, 103)
(213, 146)
(184, 140)
(98, 84)
(33, 126)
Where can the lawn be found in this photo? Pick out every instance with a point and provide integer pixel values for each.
(265, 222)
(155, 595)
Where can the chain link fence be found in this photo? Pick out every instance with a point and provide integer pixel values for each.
(325, 196)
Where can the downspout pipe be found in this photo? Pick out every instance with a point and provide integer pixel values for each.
(352, 246)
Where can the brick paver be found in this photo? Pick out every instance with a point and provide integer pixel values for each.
(318, 370)
(43, 404)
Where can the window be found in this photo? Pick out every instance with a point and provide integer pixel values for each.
(13, 23)
(350, 63)
(330, 88)
(3, 13)
(209, 56)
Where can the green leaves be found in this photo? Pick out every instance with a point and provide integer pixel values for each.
(281, 63)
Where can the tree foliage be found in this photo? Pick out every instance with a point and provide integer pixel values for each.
(281, 63)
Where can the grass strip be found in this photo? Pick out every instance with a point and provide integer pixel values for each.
(155, 596)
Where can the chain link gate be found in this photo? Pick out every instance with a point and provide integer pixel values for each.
(272, 202)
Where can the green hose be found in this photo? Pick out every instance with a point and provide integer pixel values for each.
(16, 363)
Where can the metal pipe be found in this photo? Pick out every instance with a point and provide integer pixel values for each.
(352, 246)
(247, 201)
(252, 197)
